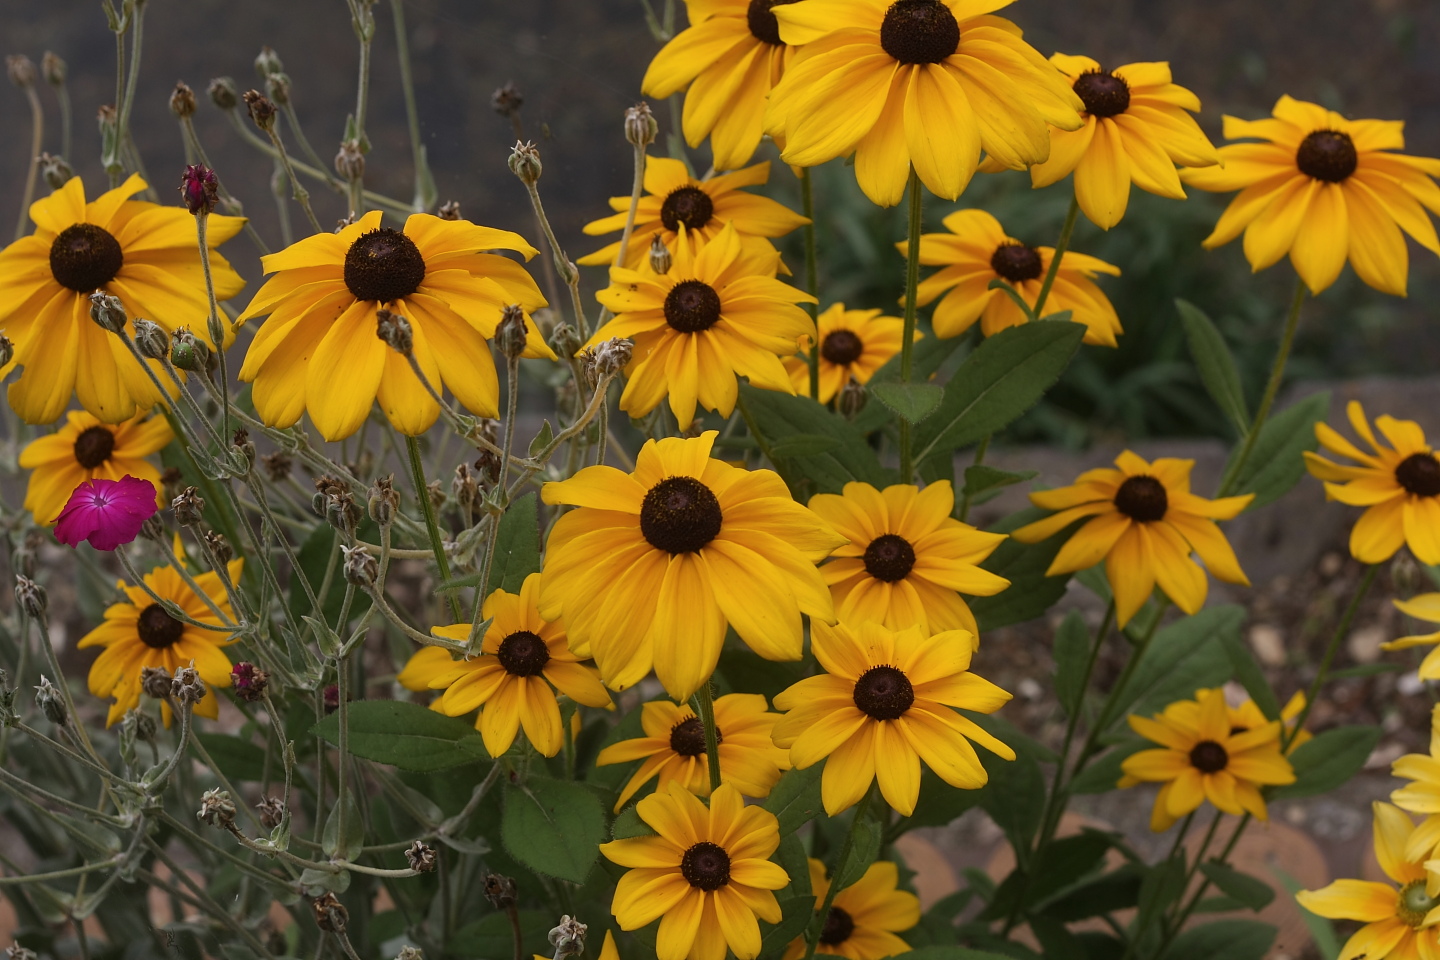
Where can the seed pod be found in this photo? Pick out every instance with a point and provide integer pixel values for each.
(199, 189)
(31, 596)
(156, 681)
(108, 312)
(53, 69)
(383, 501)
(361, 567)
(277, 466)
(223, 93)
(852, 399)
(182, 100)
(189, 507)
(568, 937)
(219, 547)
(507, 100)
(151, 339)
(272, 811)
(350, 161)
(21, 70)
(500, 891)
(660, 259)
(267, 63)
(395, 330)
(640, 125)
(449, 210)
(216, 808)
(330, 914)
(55, 170)
(421, 857)
(510, 335)
(50, 702)
(249, 681)
(525, 163)
(187, 687)
(262, 109)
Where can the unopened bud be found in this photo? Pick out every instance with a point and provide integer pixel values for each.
(277, 85)
(151, 339)
(361, 567)
(144, 725)
(55, 170)
(50, 702)
(421, 857)
(108, 312)
(341, 511)
(182, 100)
(272, 811)
(449, 210)
(349, 161)
(395, 330)
(31, 596)
(500, 891)
(510, 335)
(244, 448)
(21, 70)
(156, 681)
(660, 259)
(852, 399)
(249, 681)
(277, 466)
(330, 914)
(262, 109)
(507, 100)
(53, 69)
(189, 507)
(331, 698)
(187, 687)
(153, 529)
(223, 93)
(568, 937)
(219, 547)
(267, 62)
(188, 352)
(216, 808)
(383, 500)
(525, 163)
(640, 125)
(565, 340)
(199, 189)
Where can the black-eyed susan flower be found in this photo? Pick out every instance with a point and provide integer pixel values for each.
(882, 707)
(908, 560)
(925, 82)
(673, 748)
(977, 251)
(1425, 606)
(718, 314)
(1144, 523)
(865, 917)
(1422, 794)
(143, 253)
(524, 658)
(139, 633)
(654, 564)
(1398, 484)
(1323, 189)
(853, 345)
(673, 197)
(706, 875)
(318, 351)
(86, 448)
(1202, 756)
(1400, 921)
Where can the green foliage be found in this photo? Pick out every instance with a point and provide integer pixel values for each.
(1277, 463)
(1031, 591)
(983, 483)
(1181, 658)
(1231, 939)
(795, 798)
(1246, 890)
(554, 827)
(909, 401)
(517, 546)
(1328, 760)
(405, 735)
(810, 468)
(1217, 367)
(1072, 651)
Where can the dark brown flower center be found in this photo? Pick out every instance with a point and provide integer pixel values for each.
(1016, 262)
(838, 927)
(523, 654)
(680, 515)
(883, 693)
(889, 557)
(1143, 499)
(1207, 756)
(841, 347)
(94, 446)
(919, 31)
(763, 25)
(383, 265)
(687, 737)
(1103, 94)
(1327, 155)
(1419, 474)
(706, 865)
(85, 257)
(692, 306)
(158, 629)
(688, 205)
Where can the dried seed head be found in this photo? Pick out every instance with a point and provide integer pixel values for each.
(272, 811)
(421, 857)
(500, 891)
(182, 100)
(248, 681)
(408, 952)
(188, 352)
(525, 163)
(50, 702)
(361, 567)
(277, 466)
(660, 259)
(383, 501)
(262, 109)
(349, 160)
(156, 681)
(568, 937)
(465, 488)
(16, 952)
(31, 596)
(612, 356)
(7, 350)
(449, 210)
(341, 511)
(640, 125)
(53, 69)
(199, 189)
(507, 100)
(487, 469)
(189, 507)
(151, 339)
(510, 335)
(330, 914)
(187, 687)
(55, 170)
(21, 70)
(108, 312)
(153, 529)
(223, 93)
(216, 808)
(395, 330)
(852, 399)
(219, 547)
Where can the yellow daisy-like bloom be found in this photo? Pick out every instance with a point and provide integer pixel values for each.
(1425, 607)
(1399, 923)
(138, 633)
(1322, 188)
(318, 351)
(1399, 485)
(853, 345)
(1422, 795)
(143, 253)
(908, 559)
(86, 448)
(1246, 716)
(524, 658)
(1202, 759)
(706, 876)
(727, 61)
(864, 917)
(1144, 524)
(654, 564)
(977, 251)
(703, 207)
(718, 314)
(882, 706)
(673, 748)
(928, 83)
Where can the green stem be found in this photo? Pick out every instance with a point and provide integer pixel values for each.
(1092, 741)
(705, 710)
(817, 923)
(427, 509)
(62, 94)
(1062, 245)
(216, 330)
(1052, 815)
(907, 336)
(1341, 629)
(1174, 928)
(980, 452)
(424, 183)
(122, 129)
(298, 191)
(37, 140)
(812, 275)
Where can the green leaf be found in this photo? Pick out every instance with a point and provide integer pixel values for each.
(983, 482)
(1065, 862)
(405, 735)
(491, 935)
(796, 900)
(803, 445)
(948, 953)
(1277, 463)
(1330, 759)
(1162, 885)
(1031, 592)
(348, 846)
(237, 758)
(1104, 773)
(517, 546)
(911, 401)
(939, 803)
(542, 439)
(928, 356)
(1231, 939)
(864, 848)
(1252, 892)
(1251, 677)
(314, 558)
(1072, 652)
(795, 798)
(1217, 367)
(1182, 658)
(1368, 670)
(774, 417)
(744, 669)
(628, 824)
(1015, 795)
(1117, 890)
(554, 827)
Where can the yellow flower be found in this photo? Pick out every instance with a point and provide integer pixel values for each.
(1246, 716)
(1323, 188)
(923, 82)
(882, 707)
(318, 350)
(1422, 795)
(143, 253)
(1425, 607)
(853, 345)
(654, 564)
(1398, 923)
(139, 633)
(1144, 524)
(524, 659)
(727, 61)
(86, 448)
(977, 251)
(702, 206)
(1201, 759)
(706, 876)
(673, 748)
(864, 917)
(717, 314)
(908, 560)
(1399, 485)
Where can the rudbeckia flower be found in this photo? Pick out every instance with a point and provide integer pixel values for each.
(143, 253)
(318, 351)
(1422, 794)
(718, 314)
(1144, 523)
(1399, 921)
(523, 660)
(86, 448)
(107, 513)
(864, 917)
(138, 633)
(1399, 485)
(883, 706)
(654, 564)
(1323, 189)
(704, 207)
(977, 251)
(1425, 607)
(706, 875)
(928, 83)
(673, 748)
(853, 345)
(908, 559)
(1201, 758)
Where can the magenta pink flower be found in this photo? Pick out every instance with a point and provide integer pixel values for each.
(106, 512)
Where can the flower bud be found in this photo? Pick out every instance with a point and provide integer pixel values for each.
(189, 507)
(408, 952)
(199, 190)
(640, 125)
(151, 339)
(500, 891)
(395, 330)
(660, 259)
(421, 857)
(248, 681)
(341, 511)
(187, 687)
(361, 567)
(262, 109)
(144, 725)
(182, 100)
(244, 448)
(21, 70)
(277, 85)
(152, 529)
(156, 681)
(216, 808)
(108, 312)
(510, 334)
(272, 811)
(449, 210)
(507, 100)
(564, 339)
(7, 350)
(852, 399)
(383, 501)
(219, 547)
(568, 937)
(32, 597)
(330, 914)
(223, 93)
(350, 161)
(50, 702)
(53, 69)
(277, 466)
(55, 170)
(188, 352)
(331, 698)
(525, 163)
(267, 62)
